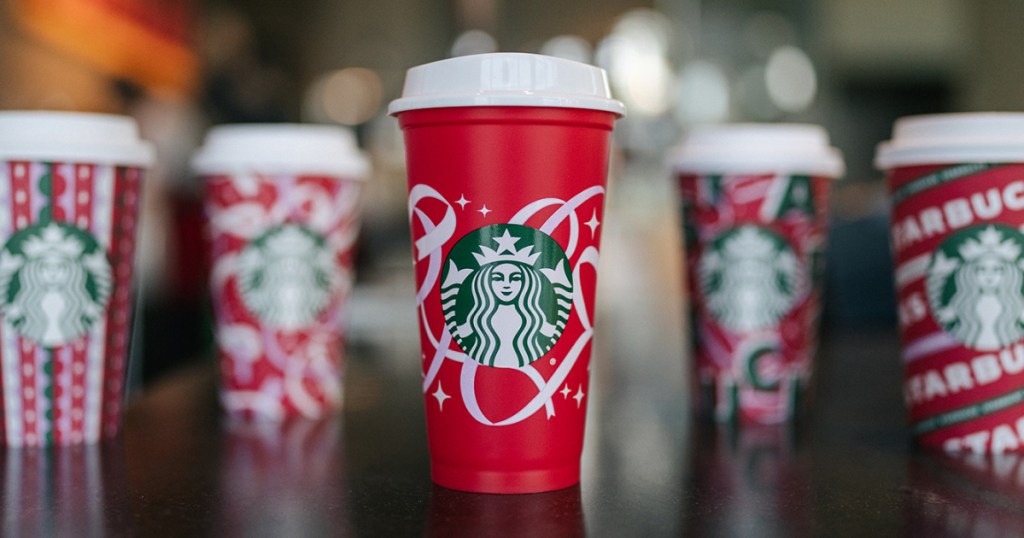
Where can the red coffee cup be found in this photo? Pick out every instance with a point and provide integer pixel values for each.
(956, 184)
(755, 209)
(507, 159)
(70, 183)
(282, 203)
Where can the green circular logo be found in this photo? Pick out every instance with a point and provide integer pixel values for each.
(55, 281)
(749, 278)
(974, 285)
(506, 294)
(286, 276)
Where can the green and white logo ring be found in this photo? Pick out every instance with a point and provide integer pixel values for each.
(506, 294)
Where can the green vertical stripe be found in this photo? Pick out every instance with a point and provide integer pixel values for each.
(46, 189)
(50, 393)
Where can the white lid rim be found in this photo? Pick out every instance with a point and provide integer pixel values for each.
(67, 136)
(516, 79)
(953, 138)
(406, 104)
(888, 158)
(758, 148)
(281, 148)
(206, 167)
(142, 156)
(830, 170)
(827, 163)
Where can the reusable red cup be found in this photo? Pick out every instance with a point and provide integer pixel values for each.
(507, 159)
(282, 204)
(755, 209)
(69, 185)
(956, 183)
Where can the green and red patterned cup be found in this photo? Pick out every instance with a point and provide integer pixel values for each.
(755, 209)
(69, 185)
(507, 159)
(956, 184)
(282, 204)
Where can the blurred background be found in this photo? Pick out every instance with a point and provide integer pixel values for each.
(179, 66)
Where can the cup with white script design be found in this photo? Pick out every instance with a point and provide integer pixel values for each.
(69, 185)
(956, 184)
(282, 206)
(755, 209)
(507, 159)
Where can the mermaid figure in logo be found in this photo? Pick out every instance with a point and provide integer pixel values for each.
(287, 277)
(506, 315)
(53, 305)
(749, 283)
(986, 308)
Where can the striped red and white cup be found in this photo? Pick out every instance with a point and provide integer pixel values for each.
(956, 184)
(69, 189)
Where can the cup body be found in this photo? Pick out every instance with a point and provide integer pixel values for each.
(70, 184)
(755, 208)
(957, 195)
(282, 207)
(506, 204)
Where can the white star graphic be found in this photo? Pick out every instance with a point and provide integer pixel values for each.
(483, 210)
(440, 396)
(565, 392)
(462, 201)
(506, 243)
(579, 396)
(593, 223)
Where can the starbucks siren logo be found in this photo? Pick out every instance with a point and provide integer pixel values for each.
(54, 282)
(974, 286)
(506, 294)
(749, 278)
(286, 276)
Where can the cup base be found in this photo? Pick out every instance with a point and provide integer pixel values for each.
(476, 481)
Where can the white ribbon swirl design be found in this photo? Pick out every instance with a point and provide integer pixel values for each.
(330, 213)
(429, 246)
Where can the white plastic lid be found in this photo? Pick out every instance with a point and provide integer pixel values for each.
(991, 137)
(750, 148)
(506, 79)
(284, 148)
(73, 136)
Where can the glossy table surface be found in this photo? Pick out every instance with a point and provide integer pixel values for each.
(180, 469)
(847, 468)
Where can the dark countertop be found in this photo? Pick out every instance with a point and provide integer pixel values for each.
(180, 470)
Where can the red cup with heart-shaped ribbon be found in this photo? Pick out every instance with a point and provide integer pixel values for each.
(507, 159)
